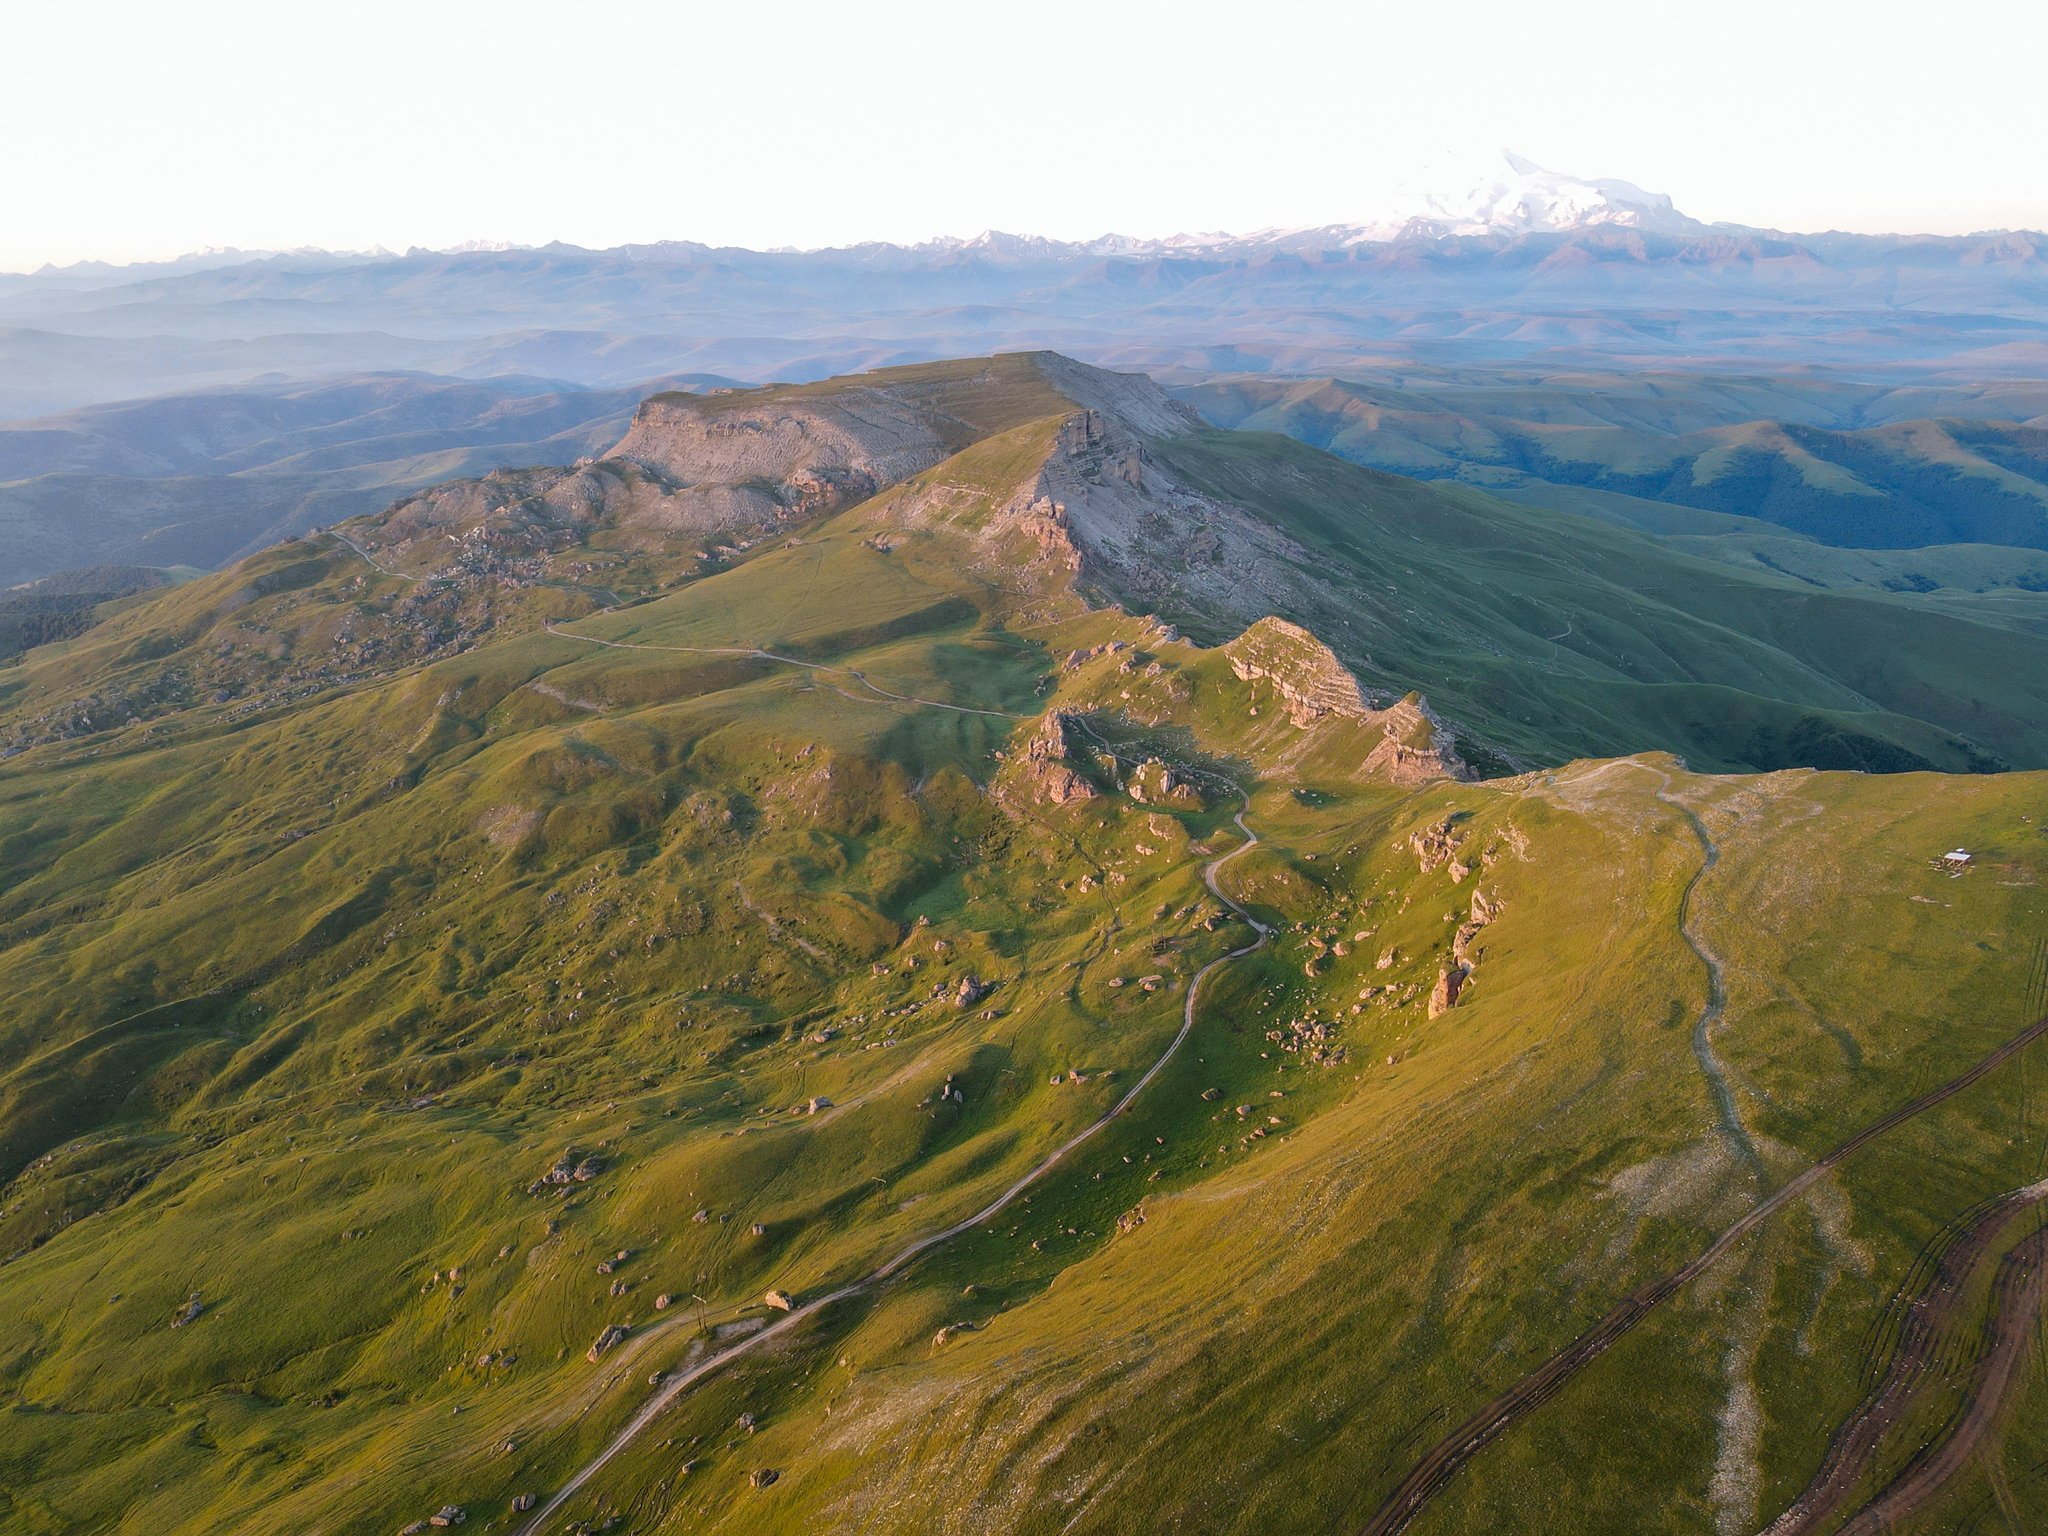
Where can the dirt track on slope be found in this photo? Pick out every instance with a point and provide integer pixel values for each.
(1923, 1340)
(2016, 1301)
(1443, 1461)
(676, 1385)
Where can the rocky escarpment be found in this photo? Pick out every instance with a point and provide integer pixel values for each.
(830, 450)
(735, 463)
(1307, 674)
(1413, 746)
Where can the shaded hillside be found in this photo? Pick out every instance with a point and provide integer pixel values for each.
(1903, 484)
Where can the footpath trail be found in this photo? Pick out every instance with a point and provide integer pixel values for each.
(676, 1385)
(793, 661)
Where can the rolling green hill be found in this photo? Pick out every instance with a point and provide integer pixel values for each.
(657, 895)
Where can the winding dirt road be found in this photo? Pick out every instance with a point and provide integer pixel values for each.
(682, 1382)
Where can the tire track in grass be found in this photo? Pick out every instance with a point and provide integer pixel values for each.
(1925, 1341)
(1443, 1462)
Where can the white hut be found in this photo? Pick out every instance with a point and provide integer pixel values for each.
(1957, 859)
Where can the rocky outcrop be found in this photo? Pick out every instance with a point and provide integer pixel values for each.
(1449, 983)
(1152, 782)
(1043, 774)
(1414, 746)
(832, 448)
(1312, 682)
(572, 1167)
(610, 1336)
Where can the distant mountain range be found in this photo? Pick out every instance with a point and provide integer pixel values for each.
(1516, 265)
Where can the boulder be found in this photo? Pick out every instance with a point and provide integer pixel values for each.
(521, 1503)
(762, 1477)
(779, 1300)
(1449, 983)
(611, 1335)
(970, 991)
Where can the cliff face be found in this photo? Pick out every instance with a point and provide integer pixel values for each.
(839, 448)
(1414, 746)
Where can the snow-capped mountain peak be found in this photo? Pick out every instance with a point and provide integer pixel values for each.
(1511, 195)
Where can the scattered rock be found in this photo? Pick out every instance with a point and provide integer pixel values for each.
(1212, 1093)
(611, 1335)
(1131, 1220)
(447, 1514)
(189, 1312)
(572, 1167)
(1387, 958)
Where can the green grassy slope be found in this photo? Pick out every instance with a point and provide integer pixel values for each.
(1902, 484)
(314, 983)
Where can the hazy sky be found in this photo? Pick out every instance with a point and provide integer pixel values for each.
(142, 131)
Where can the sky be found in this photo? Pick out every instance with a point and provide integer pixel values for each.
(145, 131)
